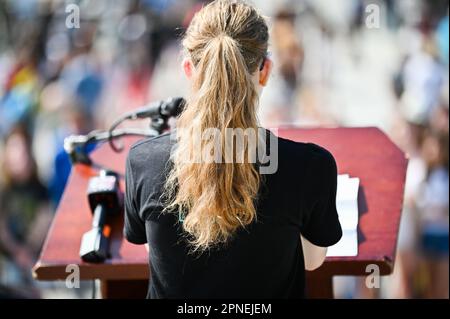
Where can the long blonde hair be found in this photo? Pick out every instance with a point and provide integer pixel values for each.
(227, 42)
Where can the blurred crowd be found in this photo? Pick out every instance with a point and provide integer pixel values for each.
(332, 68)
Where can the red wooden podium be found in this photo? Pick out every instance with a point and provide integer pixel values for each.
(366, 153)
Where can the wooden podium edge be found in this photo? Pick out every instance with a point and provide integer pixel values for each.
(104, 271)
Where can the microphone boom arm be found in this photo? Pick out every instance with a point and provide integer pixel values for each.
(159, 113)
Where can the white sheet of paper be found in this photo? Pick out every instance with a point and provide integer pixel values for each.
(347, 246)
(347, 208)
(347, 202)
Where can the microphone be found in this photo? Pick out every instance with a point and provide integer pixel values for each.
(105, 199)
(169, 108)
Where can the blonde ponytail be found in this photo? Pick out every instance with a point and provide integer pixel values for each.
(227, 41)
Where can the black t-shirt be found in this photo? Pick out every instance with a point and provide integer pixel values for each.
(264, 260)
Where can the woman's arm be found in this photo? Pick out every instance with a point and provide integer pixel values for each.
(313, 255)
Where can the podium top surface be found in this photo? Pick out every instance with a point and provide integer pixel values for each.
(366, 153)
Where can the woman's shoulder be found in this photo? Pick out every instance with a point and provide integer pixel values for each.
(304, 148)
(315, 156)
(150, 151)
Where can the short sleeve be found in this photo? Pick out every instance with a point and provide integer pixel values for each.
(134, 226)
(321, 223)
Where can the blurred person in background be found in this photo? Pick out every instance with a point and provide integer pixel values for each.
(280, 100)
(76, 122)
(24, 211)
(433, 203)
(81, 72)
